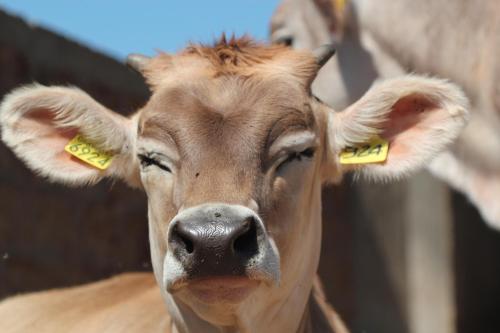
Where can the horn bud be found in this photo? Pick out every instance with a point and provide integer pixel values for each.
(323, 53)
(138, 62)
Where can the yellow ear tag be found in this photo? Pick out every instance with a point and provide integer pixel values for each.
(340, 5)
(375, 151)
(86, 152)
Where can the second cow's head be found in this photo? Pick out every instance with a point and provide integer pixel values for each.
(232, 150)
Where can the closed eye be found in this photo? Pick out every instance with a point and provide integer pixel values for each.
(147, 161)
(306, 154)
(284, 40)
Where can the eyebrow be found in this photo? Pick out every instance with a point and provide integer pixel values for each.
(301, 139)
(153, 129)
(295, 120)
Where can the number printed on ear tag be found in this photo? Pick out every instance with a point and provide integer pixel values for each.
(374, 151)
(86, 152)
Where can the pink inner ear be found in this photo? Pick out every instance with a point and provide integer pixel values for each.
(407, 123)
(44, 118)
(39, 123)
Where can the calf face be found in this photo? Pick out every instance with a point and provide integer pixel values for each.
(232, 151)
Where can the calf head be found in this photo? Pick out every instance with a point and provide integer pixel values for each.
(232, 150)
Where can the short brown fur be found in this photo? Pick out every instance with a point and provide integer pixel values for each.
(241, 57)
(137, 294)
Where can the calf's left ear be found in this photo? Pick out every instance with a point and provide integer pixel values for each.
(37, 122)
(418, 116)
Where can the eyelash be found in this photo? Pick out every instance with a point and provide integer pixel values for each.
(147, 161)
(307, 153)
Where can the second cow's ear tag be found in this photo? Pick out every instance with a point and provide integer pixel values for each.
(85, 151)
(374, 151)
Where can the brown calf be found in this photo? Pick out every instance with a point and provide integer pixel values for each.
(232, 150)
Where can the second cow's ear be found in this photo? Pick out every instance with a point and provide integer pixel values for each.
(418, 116)
(37, 123)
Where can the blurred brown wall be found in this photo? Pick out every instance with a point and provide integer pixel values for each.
(51, 235)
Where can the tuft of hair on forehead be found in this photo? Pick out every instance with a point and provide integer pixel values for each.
(227, 55)
(235, 56)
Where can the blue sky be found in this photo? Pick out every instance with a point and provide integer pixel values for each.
(121, 27)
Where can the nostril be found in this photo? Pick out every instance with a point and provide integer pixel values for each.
(188, 244)
(246, 243)
(182, 239)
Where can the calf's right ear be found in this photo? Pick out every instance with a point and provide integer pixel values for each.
(418, 116)
(38, 121)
